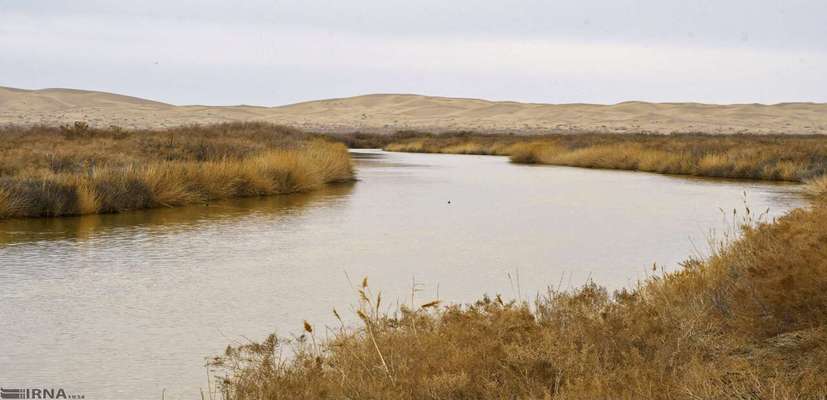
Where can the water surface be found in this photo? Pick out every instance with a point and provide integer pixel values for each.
(125, 306)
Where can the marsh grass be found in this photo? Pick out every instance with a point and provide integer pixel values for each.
(78, 170)
(765, 157)
(817, 187)
(747, 322)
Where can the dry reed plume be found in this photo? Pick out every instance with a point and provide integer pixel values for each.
(77, 170)
(749, 322)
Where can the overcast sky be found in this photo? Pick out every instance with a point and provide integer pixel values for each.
(272, 52)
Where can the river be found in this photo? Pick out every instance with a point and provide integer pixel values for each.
(128, 306)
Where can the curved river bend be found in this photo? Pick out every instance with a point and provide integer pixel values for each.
(125, 306)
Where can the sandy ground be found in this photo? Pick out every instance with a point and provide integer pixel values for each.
(384, 113)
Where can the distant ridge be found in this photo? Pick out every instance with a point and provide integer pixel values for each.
(386, 113)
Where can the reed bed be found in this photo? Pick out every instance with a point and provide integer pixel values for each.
(78, 170)
(767, 157)
(747, 322)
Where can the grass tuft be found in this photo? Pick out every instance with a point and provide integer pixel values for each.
(817, 187)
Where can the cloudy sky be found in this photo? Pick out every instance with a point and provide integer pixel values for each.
(273, 52)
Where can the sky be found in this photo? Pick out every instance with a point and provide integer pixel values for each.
(274, 52)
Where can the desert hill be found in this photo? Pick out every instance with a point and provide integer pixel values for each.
(392, 112)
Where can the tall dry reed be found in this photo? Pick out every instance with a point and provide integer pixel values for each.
(78, 170)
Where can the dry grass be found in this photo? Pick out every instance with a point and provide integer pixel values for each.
(778, 158)
(817, 187)
(749, 322)
(77, 170)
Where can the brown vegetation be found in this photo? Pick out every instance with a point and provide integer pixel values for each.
(79, 170)
(783, 158)
(749, 322)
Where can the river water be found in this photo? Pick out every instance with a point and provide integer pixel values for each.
(128, 306)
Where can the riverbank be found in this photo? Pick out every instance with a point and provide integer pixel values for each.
(746, 322)
(74, 170)
(764, 157)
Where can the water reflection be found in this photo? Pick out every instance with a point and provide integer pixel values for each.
(24, 230)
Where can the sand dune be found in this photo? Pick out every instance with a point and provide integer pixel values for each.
(391, 112)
